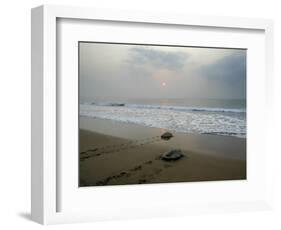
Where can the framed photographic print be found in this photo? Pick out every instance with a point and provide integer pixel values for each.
(159, 114)
(138, 114)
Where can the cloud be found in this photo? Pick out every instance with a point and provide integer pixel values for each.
(156, 59)
(228, 73)
(228, 68)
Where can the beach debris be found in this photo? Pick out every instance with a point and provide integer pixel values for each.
(142, 181)
(167, 136)
(117, 104)
(172, 155)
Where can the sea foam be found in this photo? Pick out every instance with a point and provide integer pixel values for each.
(217, 121)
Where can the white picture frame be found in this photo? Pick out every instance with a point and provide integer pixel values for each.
(46, 183)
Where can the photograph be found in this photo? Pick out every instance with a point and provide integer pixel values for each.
(157, 113)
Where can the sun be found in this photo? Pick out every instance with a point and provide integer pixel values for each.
(163, 84)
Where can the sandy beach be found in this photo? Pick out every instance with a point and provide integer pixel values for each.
(116, 153)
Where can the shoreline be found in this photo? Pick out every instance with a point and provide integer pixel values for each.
(150, 127)
(186, 119)
(114, 153)
(204, 143)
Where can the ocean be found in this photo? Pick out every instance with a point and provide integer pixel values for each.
(202, 116)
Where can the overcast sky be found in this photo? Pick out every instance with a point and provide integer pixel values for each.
(109, 71)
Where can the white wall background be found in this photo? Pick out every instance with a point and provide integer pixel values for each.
(15, 113)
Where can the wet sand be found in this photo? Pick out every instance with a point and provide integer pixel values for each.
(114, 153)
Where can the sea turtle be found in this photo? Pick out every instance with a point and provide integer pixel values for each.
(167, 135)
(172, 155)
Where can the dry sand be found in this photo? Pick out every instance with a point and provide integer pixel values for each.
(131, 155)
